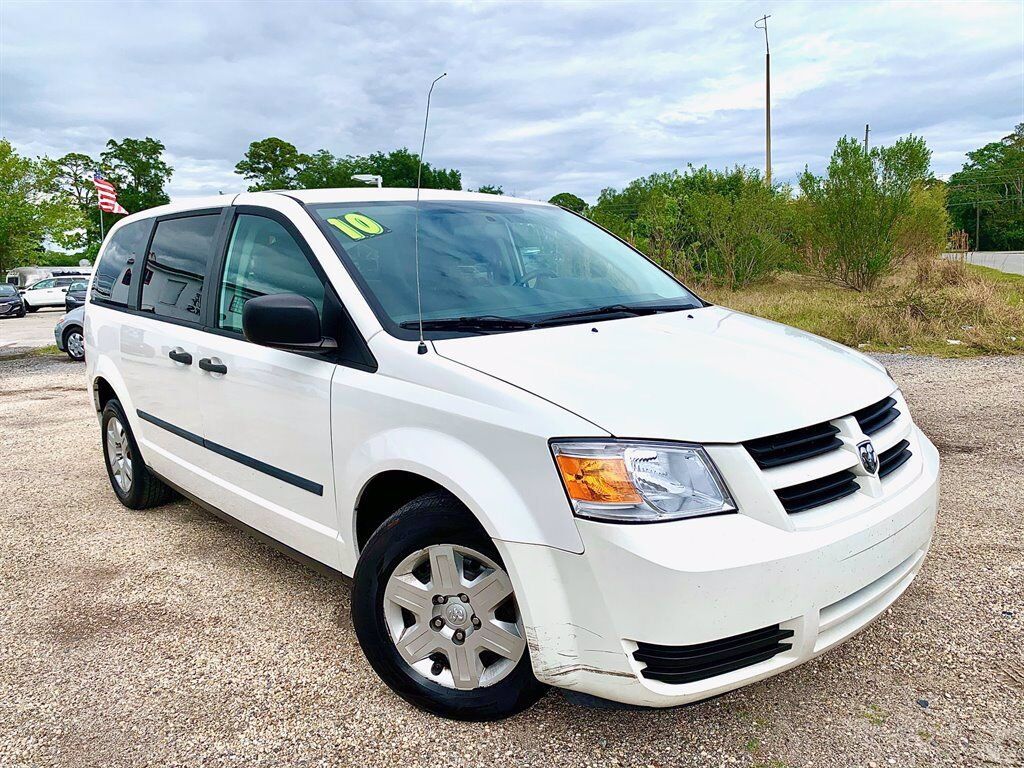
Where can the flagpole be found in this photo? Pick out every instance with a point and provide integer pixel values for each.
(102, 235)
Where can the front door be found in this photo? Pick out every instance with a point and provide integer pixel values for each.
(266, 412)
(44, 294)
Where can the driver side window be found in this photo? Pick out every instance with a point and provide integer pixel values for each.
(263, 259)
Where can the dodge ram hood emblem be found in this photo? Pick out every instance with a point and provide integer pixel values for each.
(868, 457)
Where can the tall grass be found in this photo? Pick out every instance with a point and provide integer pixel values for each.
(928, 306)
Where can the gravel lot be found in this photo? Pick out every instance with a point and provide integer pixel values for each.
(18, 334)
(171, 638)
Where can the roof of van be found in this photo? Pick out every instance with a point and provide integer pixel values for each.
(372, 194)
(337, 195)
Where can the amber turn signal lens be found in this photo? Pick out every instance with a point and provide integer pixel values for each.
(601, 480)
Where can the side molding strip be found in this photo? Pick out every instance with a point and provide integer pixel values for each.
(241, 458)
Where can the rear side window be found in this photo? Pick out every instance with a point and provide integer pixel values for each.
(113, 277)
(263, 259)
(172, 285)
(43, 284)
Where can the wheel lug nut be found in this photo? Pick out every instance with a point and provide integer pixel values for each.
(440, 599)
(459, 636)
(437, 622)
(476, 622)
(436, 668)
(464, 597)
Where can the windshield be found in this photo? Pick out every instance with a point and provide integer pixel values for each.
(494, 260)
(6, 289)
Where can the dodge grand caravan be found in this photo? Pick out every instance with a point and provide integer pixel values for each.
(579, 475)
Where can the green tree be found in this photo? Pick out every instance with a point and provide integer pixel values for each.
(398, 169)
(987, 194)
(272, 163)
(137, 168)
(275, 164)
(490, 189)
(32, 210)
(857, 209)
(73, 177)
(570, 202)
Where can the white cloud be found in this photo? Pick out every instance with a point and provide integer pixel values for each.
(540, 98)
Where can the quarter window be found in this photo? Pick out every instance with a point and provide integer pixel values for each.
(263, 259)
(172, 285)
(113, 277)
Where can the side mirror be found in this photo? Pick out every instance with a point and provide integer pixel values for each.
(284, 321)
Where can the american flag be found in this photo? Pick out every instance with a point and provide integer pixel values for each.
(107, 195)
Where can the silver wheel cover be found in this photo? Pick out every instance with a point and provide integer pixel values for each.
(76, 345)
(119, 454)
(427, 632)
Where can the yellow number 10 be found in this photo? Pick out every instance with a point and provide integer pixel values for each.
(357, 226)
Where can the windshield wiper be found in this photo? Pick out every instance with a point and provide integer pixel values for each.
(612, 309)
(480, 323)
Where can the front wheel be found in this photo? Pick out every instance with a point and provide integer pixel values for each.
(74, 343)
(436, 616)
(30, 308)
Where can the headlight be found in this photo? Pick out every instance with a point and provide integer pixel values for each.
(639, 482)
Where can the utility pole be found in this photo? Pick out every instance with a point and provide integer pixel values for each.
(977, 227)
(767, 100)
(867, 130)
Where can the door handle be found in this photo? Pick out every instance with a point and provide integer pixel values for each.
(179, 355)
(208, 365)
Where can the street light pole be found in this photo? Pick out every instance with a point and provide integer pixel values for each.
(767, 100)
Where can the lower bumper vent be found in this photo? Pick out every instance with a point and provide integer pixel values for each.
(679, 664)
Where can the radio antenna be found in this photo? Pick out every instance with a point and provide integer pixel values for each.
(422, 349)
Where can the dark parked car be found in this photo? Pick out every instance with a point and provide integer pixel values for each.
(11, 304)
(75, 297)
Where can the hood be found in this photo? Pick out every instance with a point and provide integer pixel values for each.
(706, 375)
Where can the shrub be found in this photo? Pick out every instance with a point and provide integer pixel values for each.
(712, 227)
(739, 238)
(858, 211)
(922, 233)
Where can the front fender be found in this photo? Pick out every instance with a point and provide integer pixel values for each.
(486, 489)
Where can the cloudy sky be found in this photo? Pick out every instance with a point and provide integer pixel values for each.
(540, 97)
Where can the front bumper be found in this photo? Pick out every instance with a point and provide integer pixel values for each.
(701, 580)
(11, 309)
(58, 335)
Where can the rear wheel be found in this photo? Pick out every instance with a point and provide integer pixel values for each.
(435, 614)
(135, 486)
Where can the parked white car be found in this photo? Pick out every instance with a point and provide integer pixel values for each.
(584, 475)
(47, 293)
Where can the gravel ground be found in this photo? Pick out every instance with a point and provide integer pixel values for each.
(19, 334)
(172, 638)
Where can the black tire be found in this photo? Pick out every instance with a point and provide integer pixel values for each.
(434, 518)
(144, 489)
(67, 346)
(30, 308)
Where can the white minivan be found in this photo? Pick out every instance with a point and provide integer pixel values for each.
(580, 474)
